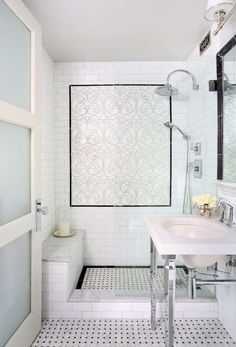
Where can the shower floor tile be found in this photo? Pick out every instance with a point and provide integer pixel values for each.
(117, 278)
(130, 332)
(132, 280)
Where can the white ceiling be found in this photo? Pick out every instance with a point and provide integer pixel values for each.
(120, 30)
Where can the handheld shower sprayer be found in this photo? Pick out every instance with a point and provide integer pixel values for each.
(172, 125)
(186, 207)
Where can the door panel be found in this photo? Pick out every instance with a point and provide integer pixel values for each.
(15, 59)
(15, 180)
(20, 244)
(15, 289)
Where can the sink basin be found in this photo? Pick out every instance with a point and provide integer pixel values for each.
(196, 241)
(193, 261)
(198, 229)
(194, 231)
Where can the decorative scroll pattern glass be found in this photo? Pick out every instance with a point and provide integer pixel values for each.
(229, 138)
(229, 147)
(120, 149)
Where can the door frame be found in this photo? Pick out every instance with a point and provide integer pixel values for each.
(9, 232)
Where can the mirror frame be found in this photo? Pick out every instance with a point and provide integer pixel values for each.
(220, 105)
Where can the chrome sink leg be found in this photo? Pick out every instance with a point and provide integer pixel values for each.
(153, 268)
(191, 287)
(170, 278)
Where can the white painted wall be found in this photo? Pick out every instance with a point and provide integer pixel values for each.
(202, 126)
(47, 144)
(114, 236)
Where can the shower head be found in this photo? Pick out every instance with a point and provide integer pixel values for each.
(172, 125)
(168, 90)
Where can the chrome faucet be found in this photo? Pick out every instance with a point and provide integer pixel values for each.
(226, 205)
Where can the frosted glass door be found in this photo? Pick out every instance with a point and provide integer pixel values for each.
(20, 240)
(15, 56)
(15, 172)
(15, 292)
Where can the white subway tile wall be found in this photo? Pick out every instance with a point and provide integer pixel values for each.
(114, 236)
(202, 122)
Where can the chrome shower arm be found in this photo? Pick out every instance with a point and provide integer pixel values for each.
(195, 84)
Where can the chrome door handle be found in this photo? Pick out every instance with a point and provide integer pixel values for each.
(40, 210)
(44, 210)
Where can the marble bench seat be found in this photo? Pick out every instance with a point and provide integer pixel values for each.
(62, 264)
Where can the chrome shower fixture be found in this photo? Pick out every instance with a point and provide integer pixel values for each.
(187, 199)
(172, 125)
(168, 90)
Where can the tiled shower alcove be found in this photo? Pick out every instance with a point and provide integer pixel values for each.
(62, 265)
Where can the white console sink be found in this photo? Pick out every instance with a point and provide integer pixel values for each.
(200, 229)
(196, 241)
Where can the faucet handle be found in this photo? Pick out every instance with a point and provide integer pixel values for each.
(221, 203)
(231, 216)
(224, 204)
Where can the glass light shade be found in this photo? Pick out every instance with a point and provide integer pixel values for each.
(214, 6)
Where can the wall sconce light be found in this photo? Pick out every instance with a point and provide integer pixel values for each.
(219, 11)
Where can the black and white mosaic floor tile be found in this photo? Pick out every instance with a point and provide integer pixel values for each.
(130, 332)
(124, 281)
(119, 278)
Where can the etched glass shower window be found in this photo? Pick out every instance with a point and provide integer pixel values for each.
(120, 149)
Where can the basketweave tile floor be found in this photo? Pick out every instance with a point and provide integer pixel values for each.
(132, 280)
(129, 332)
